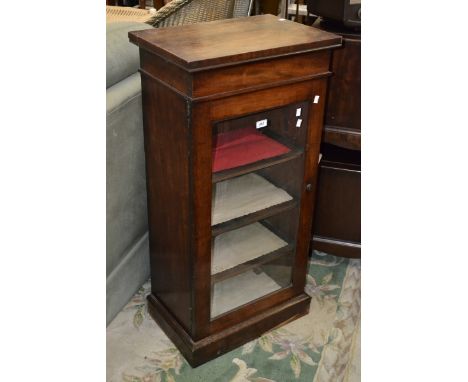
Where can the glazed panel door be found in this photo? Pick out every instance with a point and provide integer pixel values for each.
(261, 164)
(257, 175)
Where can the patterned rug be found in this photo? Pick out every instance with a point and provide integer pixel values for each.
(323, 346)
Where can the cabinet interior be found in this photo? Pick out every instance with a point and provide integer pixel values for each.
(256, 192)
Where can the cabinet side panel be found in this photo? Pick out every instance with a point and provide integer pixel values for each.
(167, 169)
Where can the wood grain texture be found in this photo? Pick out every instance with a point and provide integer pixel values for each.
(258, 73)
(227, 42)
(167, 173)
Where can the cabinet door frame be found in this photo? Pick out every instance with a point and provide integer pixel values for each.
(203, 114)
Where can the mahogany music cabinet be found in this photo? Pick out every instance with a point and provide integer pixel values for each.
(232, 113)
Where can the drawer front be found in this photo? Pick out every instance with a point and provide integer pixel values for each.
(261, 73)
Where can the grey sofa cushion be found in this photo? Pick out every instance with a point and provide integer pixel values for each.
(127, 238)
(122, 59)
(125, 167)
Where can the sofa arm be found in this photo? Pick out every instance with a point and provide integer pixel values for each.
(122, 58)
(127, 260)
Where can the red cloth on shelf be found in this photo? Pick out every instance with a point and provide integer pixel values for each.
(243, 146)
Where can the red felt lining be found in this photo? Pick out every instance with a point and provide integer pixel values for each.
(243, 146)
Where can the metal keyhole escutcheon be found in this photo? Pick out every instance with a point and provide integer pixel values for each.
(309, 187)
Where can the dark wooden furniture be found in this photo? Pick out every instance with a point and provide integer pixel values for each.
(337, 223)
(229, 247)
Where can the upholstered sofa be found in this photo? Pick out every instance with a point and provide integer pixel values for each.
(127, 232)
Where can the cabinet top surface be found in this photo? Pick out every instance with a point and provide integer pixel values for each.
(224, 42)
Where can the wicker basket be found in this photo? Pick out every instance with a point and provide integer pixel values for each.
(114, 14)
(180, 12)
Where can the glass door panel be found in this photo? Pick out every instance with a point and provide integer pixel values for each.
(257, 178)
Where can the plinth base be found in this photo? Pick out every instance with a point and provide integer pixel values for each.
(208, 348)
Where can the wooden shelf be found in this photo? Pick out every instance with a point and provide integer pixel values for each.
(237, 291)
(220, 228)
(241, 170)
(243, 196)
(251, 264)
(242, 245)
